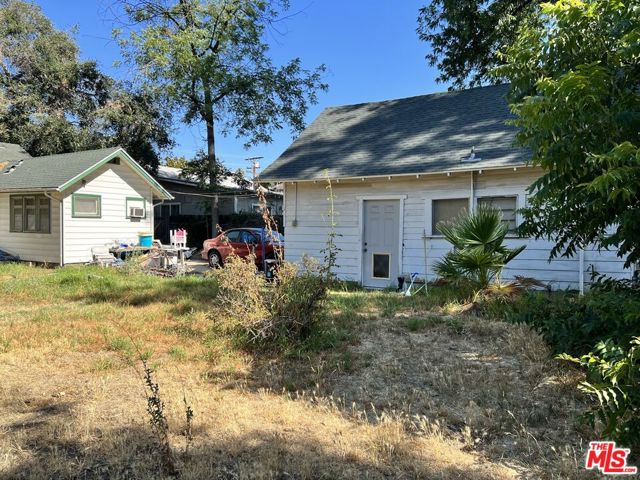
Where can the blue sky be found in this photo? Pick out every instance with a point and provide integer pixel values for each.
(370, 48)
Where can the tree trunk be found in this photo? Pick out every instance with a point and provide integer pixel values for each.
(211, 157)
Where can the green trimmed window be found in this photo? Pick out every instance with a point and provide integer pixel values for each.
(29, 214)
(86, 206)
(136, 207)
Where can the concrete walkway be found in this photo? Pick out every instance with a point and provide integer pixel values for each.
(197, 266)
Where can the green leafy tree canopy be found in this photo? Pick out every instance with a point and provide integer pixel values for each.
(210, 60)
(52, 102)
(465, 36)
(575, 89)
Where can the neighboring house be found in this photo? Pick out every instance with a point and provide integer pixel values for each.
(191, 206)
(398, 168)
(56, 208)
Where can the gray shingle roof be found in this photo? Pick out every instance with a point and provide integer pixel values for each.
(423, 134)
(50, 171)
(10, 152)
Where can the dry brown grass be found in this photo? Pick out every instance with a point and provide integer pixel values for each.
(72, 402)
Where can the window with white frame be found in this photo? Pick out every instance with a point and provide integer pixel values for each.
(506, 204)
(446, 210)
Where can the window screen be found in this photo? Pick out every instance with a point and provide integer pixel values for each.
(381, 265)
(44, 214)
(30, 213)
(446, 210)
(86, 206)
(16, 214)
(507, 205)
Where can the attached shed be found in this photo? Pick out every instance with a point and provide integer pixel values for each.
(399, 167)
(56, 208)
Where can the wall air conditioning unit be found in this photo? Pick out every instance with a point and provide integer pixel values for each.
(136, 212)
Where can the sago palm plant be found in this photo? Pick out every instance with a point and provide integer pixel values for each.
(479, 254)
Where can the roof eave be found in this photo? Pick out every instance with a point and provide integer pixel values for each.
(120, 152)
(28, 189)
(435, 172)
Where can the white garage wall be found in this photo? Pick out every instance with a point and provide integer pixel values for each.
(309, 211)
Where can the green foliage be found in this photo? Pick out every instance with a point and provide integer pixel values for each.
(209, 60)
(479, 254)
(574, 88)
(574, 324)
(277, 314)
(465, 34)
(613, 381)
(52, 102)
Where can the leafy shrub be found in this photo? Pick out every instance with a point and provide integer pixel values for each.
(282, 312)
(277, 313)
(479, 254)
(297, 298)
(613, 380)
(240, 299)
(574, 324)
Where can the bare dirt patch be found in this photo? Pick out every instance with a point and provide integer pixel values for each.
(493, 386)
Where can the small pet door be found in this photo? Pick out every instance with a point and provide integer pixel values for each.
(381, 264)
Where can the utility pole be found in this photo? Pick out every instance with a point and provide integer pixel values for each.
(255, 165)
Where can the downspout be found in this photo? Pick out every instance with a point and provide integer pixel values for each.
(294, 222)
(426, 273)
(581, 270)
(472, 193)
(48, 195)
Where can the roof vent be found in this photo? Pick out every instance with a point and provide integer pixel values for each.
(13, 167)
(472, 157)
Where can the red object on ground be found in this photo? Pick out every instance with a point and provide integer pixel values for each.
(243, 242)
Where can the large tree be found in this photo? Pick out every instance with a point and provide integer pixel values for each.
(52, 102)
(575, 88)
(210, 60)
(465, 36)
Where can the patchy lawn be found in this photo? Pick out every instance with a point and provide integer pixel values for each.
(388, 387)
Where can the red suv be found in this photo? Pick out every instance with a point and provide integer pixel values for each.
(242, 242)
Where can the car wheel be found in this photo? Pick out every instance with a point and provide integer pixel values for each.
(214, 259)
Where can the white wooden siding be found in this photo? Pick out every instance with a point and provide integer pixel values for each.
(33, 247)
(309, 212)
(114, 183)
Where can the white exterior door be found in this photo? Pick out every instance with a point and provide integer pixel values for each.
(380, 243)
